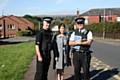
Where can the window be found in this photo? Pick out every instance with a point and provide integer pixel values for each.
(110, 18)
(8, 26)
(13, 26)
(1, 26)
(101, 19)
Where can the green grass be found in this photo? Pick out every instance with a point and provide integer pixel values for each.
(14, 60)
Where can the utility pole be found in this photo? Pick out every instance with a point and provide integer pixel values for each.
(4, 28)
(39, 25)
(104, 25)
(78, 13)
(2, 13)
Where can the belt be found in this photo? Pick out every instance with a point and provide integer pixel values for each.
(77, 50)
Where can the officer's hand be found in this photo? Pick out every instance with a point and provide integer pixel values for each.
(62, 35)
(40, 59)
(56, 58)
(78, 42)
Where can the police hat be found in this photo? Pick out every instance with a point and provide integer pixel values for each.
(48, 19)
(80, 20)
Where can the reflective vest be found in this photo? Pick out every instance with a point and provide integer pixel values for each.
(81, 36)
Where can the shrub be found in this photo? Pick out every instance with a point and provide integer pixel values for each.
(25, 33)
(109, 27)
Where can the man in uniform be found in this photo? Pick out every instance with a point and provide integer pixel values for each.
(81, 40)
(43, 48)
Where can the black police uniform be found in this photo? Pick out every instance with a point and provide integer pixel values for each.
(81, 56)
(44, 41)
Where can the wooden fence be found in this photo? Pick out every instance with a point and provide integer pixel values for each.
(114, 35)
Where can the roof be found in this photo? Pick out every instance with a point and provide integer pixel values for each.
(25, 20)
(102, 12)
(8, 18)
(16, 19)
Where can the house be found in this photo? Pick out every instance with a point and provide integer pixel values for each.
(103, 14)
(22, 25)
(30, 25)
(55, 28)
(10, 25)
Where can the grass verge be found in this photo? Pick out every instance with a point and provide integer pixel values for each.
(14, 60)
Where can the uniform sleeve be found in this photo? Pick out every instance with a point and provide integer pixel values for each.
(89, 36)
(38, 38)
(72, 37)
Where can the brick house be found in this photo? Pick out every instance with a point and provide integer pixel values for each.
(22, 25)
(30, 25)
(100, 15)
(10, 25)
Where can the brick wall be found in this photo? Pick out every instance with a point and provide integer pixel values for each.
(93, 19)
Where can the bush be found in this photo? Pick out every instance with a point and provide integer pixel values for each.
(25, 33)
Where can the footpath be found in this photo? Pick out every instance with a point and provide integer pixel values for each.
(29, 75)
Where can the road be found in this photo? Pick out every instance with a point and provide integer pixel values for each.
(107, 56)
(108, 53)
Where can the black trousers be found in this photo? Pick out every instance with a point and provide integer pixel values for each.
(42, 68)
(81, 60)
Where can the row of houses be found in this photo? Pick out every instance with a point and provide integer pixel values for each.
(101, 15)
(10, 25)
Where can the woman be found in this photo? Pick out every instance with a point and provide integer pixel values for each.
(61, 60)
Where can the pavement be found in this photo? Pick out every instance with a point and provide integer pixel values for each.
(108, 41)
(15, 40)
(18, 39)
(29, 75)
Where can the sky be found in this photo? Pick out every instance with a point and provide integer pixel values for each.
(53, 7)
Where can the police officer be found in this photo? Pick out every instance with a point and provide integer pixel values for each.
(81, 40)
(43, 45)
